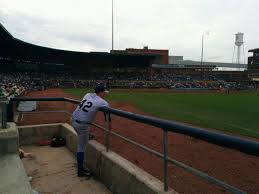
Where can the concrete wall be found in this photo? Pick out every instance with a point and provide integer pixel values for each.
(30, 134)
(70, 135)
(13, 178)
(9, 139)
(118, 174)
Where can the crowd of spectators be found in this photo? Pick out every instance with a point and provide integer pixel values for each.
(13, 84)
(213, 85)
(146, 76)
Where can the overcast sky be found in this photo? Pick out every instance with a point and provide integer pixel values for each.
(177, 25)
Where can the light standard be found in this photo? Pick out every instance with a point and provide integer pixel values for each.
(202, 41)
(112, 28)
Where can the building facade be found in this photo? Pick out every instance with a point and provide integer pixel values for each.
(253, 65)
(162, 55)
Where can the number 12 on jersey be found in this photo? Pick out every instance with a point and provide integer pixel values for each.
(85, 106)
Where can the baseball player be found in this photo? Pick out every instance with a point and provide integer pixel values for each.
(81, 117)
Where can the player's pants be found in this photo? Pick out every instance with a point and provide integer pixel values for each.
(83, 135)
(82, 141)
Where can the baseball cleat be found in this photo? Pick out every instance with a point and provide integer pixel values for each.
(84, 173)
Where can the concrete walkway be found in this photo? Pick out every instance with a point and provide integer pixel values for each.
(13, 179)
(54, 171)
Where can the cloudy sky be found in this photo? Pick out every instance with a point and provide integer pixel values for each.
(177, 25)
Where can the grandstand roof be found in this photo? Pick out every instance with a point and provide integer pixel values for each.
(4, 34)
(253, 50)
(15, 50)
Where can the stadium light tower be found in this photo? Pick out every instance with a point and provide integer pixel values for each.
(112, 28)
(206, 33)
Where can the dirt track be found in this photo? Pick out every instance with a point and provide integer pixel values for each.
(235, 168)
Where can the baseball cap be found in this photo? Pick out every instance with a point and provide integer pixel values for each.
(100, 88)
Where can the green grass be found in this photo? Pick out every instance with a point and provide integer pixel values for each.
(237, 113)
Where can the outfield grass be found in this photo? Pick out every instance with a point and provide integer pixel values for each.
(237, 113)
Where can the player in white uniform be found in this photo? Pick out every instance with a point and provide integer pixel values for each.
(84, 114)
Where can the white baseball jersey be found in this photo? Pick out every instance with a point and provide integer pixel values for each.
(87, 109)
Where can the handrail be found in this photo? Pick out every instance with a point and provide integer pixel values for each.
(244, 145)
(175, 162)
(241, 144)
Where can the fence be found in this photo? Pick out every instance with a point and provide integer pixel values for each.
(240, 144)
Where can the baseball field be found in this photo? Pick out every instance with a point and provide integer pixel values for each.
(235, 113)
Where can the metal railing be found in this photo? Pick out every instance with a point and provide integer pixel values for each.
(243, 145)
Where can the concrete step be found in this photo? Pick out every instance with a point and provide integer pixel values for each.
(13, 177)
(54, 171)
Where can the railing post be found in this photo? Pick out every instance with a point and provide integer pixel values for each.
(64, 105)
(107, 132)
(65, 109)
(3, 104)
(165, 142)
(10, 111)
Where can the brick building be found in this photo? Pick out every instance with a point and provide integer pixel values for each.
(162, 55)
